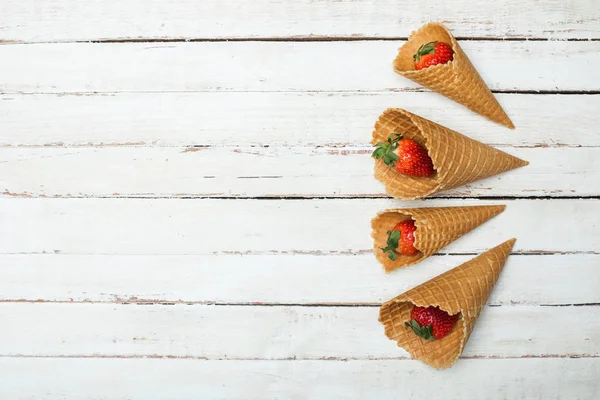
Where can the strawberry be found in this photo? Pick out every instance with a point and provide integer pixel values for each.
(433, 53)
(403, 237)
(431, 322)
(405, 155)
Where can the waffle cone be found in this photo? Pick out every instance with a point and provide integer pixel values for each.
(457, 79)
(436, 228)
(464, 289)
(457, 159)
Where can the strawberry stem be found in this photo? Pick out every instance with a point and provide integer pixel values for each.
(392, 244)
(427, 48)
(385, 150)
(426, 332)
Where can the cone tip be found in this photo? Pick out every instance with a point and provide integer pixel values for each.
(498, 209)
(495, 208)
(518, 163)
(510, 243)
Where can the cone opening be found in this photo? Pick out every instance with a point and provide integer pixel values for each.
(381, 225)
(431, 32)
(400, 121)
(440, 353)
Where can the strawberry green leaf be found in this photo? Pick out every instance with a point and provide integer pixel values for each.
(392, 244)
(426, 332)
(428, 48)
(385, 150)
(393, 238)
(390, 159)
(379, 152)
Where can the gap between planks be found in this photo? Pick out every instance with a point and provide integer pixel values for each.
(343, 359)
(312, 38)
(315, 253)
(298, 91)
(192, 148)
(138, 302)
(197, 147)
(190, 196)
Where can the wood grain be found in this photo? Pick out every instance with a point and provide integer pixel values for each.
(281, 66)
(265, 172)
(275, 333)
(152, 379)
(68, 20)
(214, 226)
(284, 279)
(293, 119)
(175, 244)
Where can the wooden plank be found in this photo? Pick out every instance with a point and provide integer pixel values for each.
(293, 279)
(294, 119)
(211, 226)
(281, 66)
(271, 172)
(68, 20)
(151, 379)
(283, 332)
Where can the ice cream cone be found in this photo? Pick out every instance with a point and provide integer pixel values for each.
(457, 159)
(436, 228)
(463, 290)
(457, 79)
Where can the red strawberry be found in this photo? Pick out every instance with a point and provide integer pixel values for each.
(431, 322)
(405, 155)
(401, 240)
(433, 53)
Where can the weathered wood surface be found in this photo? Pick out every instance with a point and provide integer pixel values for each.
(285, 279)
(276, 333)
(317, 226)
(69, 20)
(119, 279)
(281, 66)
(239, 119)
(265, 172)
(151, 379)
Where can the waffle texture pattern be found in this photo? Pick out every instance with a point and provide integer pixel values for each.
(463, 290)
(457, 159)
(457, 79)
(436, 228)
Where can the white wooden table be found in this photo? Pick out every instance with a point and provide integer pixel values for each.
(187, 190)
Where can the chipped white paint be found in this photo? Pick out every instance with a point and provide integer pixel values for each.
(294, 119)
(285, 278)
(153, 379)
(69, 20)
(273, 333)
(287, 119)
(213, 226)
(272, 171)
(281, 66)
